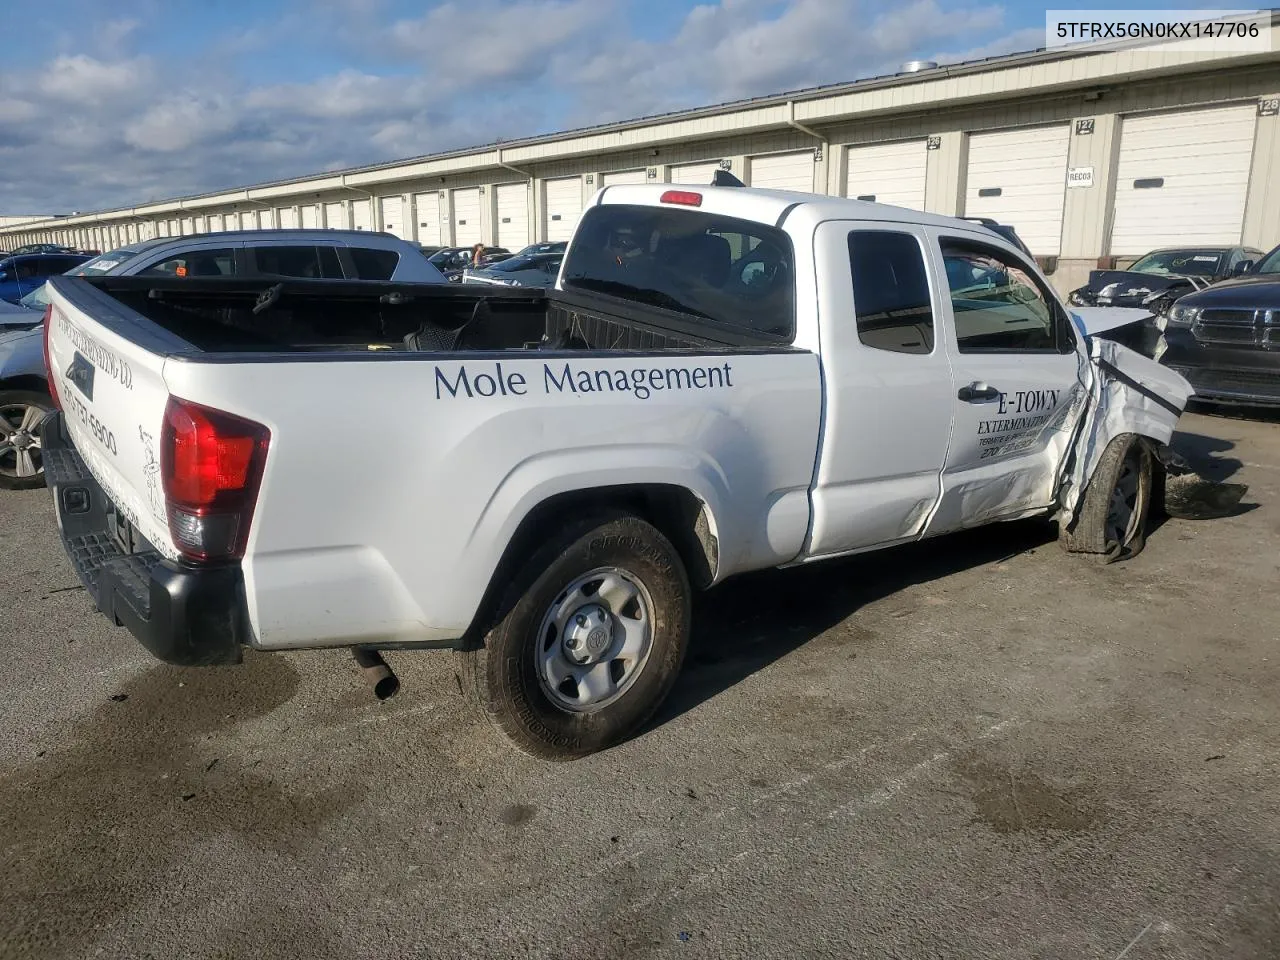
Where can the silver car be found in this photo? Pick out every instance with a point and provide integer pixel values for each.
(288, 254)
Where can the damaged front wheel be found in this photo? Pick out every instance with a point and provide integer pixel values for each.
(1112, 520)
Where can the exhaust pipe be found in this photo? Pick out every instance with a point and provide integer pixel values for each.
(380, 676)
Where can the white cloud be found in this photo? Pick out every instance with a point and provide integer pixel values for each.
(97, 126)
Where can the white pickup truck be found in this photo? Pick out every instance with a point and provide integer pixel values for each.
(723, 380)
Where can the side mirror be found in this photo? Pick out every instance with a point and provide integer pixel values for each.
(1244, 266)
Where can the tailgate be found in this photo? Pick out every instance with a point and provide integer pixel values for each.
(109, 378)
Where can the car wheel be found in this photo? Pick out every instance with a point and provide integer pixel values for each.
(21, 411)
(594, 633)
(1112, 518)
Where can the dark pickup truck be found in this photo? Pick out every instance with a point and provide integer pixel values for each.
(1226, 339)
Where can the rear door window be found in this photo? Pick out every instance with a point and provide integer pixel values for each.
(195, 263)
(734, 273)
(891, 291)
(308, 262)
(374, 264)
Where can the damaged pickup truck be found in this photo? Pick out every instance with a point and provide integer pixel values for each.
(723, 380)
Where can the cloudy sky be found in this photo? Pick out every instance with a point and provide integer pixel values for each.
(120, 103)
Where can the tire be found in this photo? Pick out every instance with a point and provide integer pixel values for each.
(21, 411)
(1113, 516)
(605, 600)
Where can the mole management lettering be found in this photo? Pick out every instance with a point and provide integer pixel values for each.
(566, 378)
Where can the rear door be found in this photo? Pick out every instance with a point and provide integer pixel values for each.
(1016, 378)
(888, 390)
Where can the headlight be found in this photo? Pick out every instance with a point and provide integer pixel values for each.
(1180, 316)
(1075, 299)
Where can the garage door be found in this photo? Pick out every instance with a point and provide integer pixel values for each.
(361, 215)
(1182, 178)
(392, 209)
(311, 216)
(513, 215)
(783, 171)
(428, 205)
(888, 173)
(695, 174)
(335, 216)
(466, 217)
(188, 226)
(1019, 177)
(287, 217)
(564, 207)
(622, 176)
(267, 219)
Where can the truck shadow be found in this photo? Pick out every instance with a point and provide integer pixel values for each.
(1205, 454)
(753, 620)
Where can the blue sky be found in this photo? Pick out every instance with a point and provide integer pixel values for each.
(110, 104)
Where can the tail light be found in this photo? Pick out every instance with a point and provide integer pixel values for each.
(48, 361)
(211, 464)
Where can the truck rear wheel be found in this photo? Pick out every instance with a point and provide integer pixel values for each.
(592, 635)
(21, 411)
(1112, 517)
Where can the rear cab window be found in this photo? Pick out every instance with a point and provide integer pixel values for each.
(732, 273)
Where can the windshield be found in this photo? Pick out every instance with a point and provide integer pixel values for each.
(1270, 263)
(1193, 263)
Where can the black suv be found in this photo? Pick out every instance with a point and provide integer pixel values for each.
(1226, 339)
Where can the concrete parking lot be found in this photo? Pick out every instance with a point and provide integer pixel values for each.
(977, 747)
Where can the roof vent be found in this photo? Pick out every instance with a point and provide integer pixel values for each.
(915, 66)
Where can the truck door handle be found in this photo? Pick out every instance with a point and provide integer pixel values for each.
(977, 392)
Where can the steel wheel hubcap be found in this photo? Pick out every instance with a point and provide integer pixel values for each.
(595, 640)
(20, 440)
(1122, 512)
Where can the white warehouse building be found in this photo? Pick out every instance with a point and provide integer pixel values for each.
(1093, 154)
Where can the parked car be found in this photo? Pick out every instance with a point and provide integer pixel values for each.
(530, 270)
(307, 254)
(22, 272)
(1162, 276)
(1226, 339)
(453, 262)
(429, 250)
(555, 471)
(43, 248)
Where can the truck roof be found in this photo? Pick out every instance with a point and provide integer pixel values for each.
(768, 206)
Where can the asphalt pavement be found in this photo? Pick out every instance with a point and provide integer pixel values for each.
(972, 747)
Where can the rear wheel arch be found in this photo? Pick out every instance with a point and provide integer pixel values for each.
(677, 512)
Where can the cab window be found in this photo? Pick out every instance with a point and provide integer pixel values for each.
(725, 271)
(998, 305)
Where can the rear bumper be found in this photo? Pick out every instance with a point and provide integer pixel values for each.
(183, 615)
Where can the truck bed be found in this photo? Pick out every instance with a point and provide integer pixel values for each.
(264, 317)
